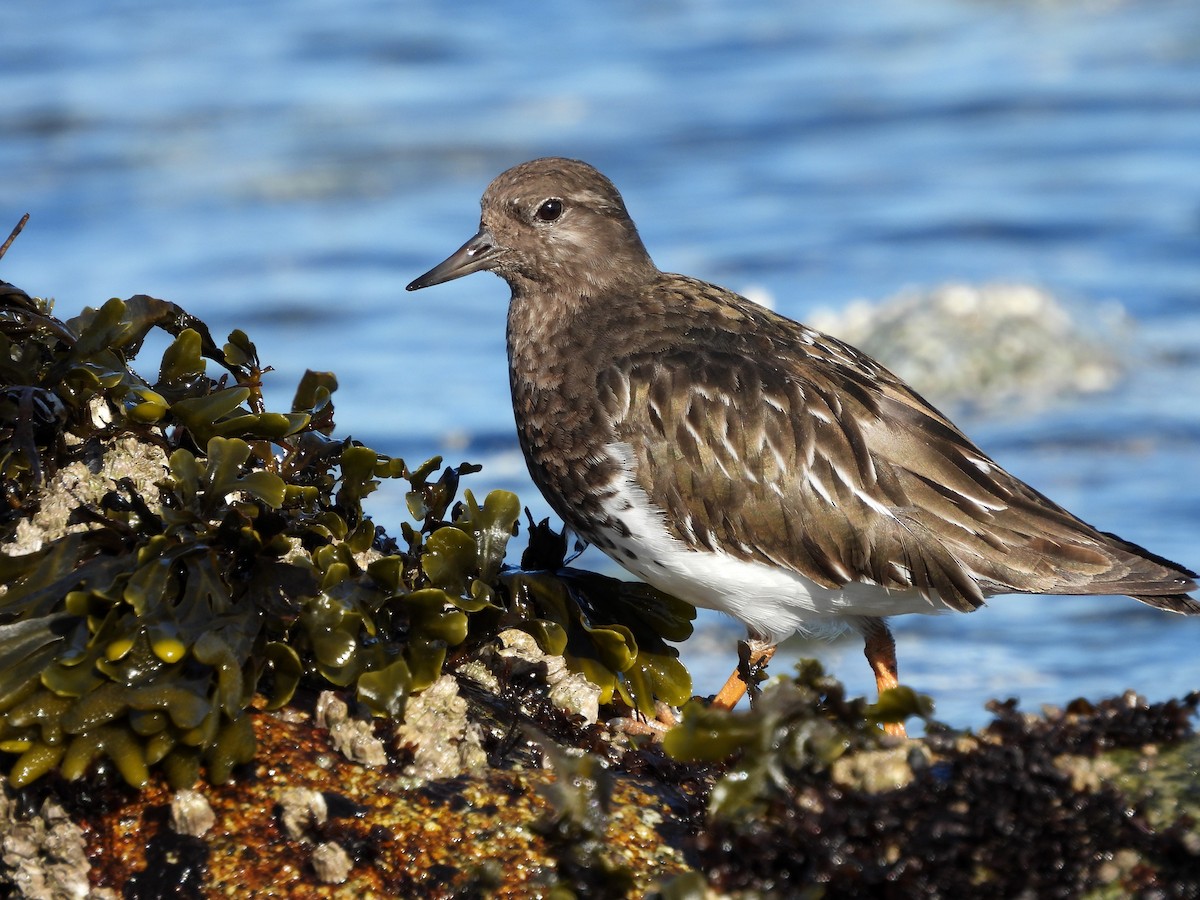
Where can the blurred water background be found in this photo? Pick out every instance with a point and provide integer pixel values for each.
(288, 167)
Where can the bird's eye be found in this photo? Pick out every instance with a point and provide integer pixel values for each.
(550, 210)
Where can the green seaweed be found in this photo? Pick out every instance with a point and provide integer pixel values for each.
(250, 566)
(801, 724)
(613, 632)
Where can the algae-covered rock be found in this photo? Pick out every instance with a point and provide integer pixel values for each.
(1001, 813)
(1030, 806)
(221, 677)
(84, 484)
(992, 346)
(173, 549)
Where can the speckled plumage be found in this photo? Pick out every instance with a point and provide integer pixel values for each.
(689, 432)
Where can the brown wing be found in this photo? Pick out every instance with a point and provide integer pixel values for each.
(822, 461)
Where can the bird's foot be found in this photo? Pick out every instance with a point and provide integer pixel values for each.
(880, 650)
(753, 656)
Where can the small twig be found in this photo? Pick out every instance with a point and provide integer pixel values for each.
(12, 237)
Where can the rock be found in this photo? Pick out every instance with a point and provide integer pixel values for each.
(986, 346)
(191, 813)
(520, 653)
(353, 738)
(875, 771)
(84, 484)
(300, 809)
(331, 863)
(436, 731)
(1046, 791)
(44, 855)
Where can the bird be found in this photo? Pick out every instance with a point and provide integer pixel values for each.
(741, 461)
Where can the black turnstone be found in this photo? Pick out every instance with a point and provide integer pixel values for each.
(746, 463)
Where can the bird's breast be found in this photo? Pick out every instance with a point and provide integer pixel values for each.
(561, 427)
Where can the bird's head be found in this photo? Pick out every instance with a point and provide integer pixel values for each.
(546, 223)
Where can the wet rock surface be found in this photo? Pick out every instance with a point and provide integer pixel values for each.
(997, 814)
(1097, 799)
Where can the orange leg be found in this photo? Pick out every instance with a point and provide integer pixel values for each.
(881, 654)
(753, 656)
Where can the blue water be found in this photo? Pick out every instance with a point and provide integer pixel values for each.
(288, 167)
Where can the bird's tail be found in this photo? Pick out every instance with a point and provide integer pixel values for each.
(1177, 603)
(1152, 579)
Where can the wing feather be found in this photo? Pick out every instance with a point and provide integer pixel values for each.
(787, 447)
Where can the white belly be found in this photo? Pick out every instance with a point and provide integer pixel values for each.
(774, 602)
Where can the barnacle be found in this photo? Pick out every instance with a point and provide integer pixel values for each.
(140, 636)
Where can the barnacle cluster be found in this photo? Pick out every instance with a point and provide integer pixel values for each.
(141, 633)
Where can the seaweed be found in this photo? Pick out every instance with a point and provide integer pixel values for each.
(812, 799)
(799, 727)
(245, 565)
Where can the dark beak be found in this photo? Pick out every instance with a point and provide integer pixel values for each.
(475, 255)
